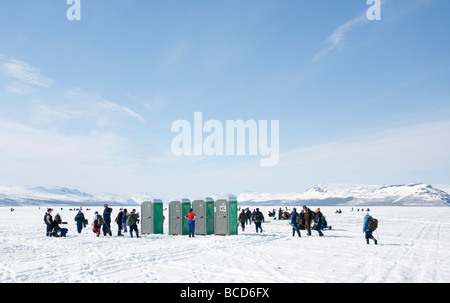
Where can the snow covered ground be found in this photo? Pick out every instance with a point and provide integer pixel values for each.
(414, 246)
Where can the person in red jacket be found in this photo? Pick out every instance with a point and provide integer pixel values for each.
(191, 222)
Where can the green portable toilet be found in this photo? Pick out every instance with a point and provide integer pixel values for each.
(209, 216)
(152, 218)
(185, 207)
(225, 221)
(233, 205)
(158, 217)
(204, 221)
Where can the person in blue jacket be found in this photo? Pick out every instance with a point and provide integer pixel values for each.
(367, 230)
(294, 223)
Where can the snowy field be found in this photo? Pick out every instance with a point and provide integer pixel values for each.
(414, 246)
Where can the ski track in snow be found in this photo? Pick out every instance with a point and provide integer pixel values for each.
(414, 246)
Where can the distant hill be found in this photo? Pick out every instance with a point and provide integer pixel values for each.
(55, 196)
(354, 195)
(321, 195)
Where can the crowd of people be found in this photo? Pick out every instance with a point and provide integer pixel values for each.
(305, 220)
(100, 223)
(246, 217)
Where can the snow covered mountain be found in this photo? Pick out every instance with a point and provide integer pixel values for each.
(354, 195)
(41, 196)
(323, 195)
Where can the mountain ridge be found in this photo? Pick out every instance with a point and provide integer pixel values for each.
(414, 194)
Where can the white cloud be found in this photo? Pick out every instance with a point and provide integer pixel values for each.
(114, 107)
(339, 34)
(21, 71)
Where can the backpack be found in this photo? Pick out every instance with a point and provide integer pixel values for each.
(79, 217)
(100, 220)
(373, 224)
(130, 220)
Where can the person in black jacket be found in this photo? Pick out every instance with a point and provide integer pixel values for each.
(48, 219)
(259, 218)
(118, 220)
(107, 218)
(318, 222)
(80, 219)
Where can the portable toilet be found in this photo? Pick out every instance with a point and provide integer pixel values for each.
(175, 221)
(152, 218)
(178, 224)
(204, 221)
(225, 221)
(233, 206)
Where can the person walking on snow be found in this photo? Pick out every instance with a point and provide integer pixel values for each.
(107, 217)
(243, 219)
(191, 222)
(294, 223)
(80, 219)
(259, 218)
(367, 230)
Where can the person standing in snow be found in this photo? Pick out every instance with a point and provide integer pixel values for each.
(318, 222)
(48, 219)
(259, 218)
(367, 230)
(79, 218)
(97, 223)
(249, 216)
(119, 222)
(308, 219)
(132, 221)
(191, 222)
(124, 220)
(107, 217)
(294, 223)
(243, 219)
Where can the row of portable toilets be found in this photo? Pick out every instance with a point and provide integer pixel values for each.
(212, 217)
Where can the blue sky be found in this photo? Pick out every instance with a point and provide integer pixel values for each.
(89, 104)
